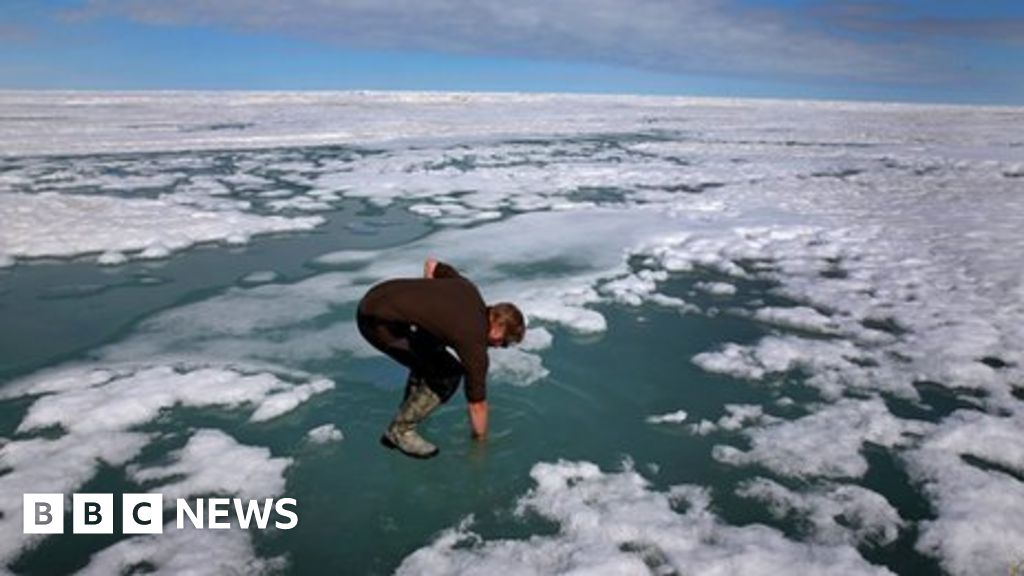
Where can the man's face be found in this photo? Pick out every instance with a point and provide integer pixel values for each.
(496, 336)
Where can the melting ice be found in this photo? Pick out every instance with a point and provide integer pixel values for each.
(764, 336)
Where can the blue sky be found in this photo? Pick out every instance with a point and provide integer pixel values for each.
(907, 50)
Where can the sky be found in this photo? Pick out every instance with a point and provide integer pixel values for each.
(888, 50)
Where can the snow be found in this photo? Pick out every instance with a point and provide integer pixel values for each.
(980, 510)
(737, 416)
(49, 224)
(614, 523)
(826, 443)
(716, 288)
(211, 462)
(676, 417)
(798, 317)
(189, 551)
(325, 434)
(259, 277)
(99, 411)
(343, 258)
(888, 236)
(867, 516)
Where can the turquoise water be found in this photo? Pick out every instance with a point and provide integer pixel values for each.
(363, 508)
(74, 306)
(851, 271)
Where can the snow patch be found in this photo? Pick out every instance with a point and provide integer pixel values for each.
(614, 523)
(97, 412)
(324, 434)
(64, 225)
(826, 443)
(677, 417)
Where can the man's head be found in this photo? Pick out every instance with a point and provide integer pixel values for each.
(506, 325)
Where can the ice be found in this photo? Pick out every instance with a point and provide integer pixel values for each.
(133, 398)
(614, 523)
(516, 367)
(980, 501)
(244, 323)
(716, 288)
(58, 465)
(346, 258)
(211, 462)
(798, 317)
(635, 289)
(325, 434)
(259, 277)
(98, 412)
(189, 551)
(676, 417)
(156, 251)
(63, 225)
(833, 365)
(876, 246)
(866, 516)
(537, 338)
(738, 416)
(284, 401)
(111, 258)
(827, 443)
(123, 122)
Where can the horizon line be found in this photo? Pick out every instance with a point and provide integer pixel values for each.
(527, 92)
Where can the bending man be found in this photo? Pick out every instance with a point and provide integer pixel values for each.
(414, 320)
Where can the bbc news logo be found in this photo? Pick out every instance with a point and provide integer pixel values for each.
(144, 513)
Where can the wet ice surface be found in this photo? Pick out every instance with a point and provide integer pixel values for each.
(764, 336)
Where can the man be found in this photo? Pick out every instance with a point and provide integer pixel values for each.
(413, 320)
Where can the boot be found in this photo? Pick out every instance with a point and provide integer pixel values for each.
(401, 434)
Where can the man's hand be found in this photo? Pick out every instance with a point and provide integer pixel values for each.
(428, 268)
(478, 419)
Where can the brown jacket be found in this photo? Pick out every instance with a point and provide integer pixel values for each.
(449, 308)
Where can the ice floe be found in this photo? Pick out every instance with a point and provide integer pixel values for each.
(676, 417)
(62, 225)
(324, 434)
(884, 261)
(614, 523)
(82, 417)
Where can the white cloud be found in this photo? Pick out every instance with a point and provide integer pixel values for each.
(675, 36)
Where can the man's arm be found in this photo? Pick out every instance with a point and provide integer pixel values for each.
(434, 269)
(475, 361)
(478, 419)
(428, 268)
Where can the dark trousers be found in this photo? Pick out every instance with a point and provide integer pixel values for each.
(426, 358)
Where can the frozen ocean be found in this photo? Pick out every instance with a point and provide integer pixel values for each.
(764, 337)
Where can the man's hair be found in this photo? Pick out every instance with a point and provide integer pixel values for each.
(508, 316)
